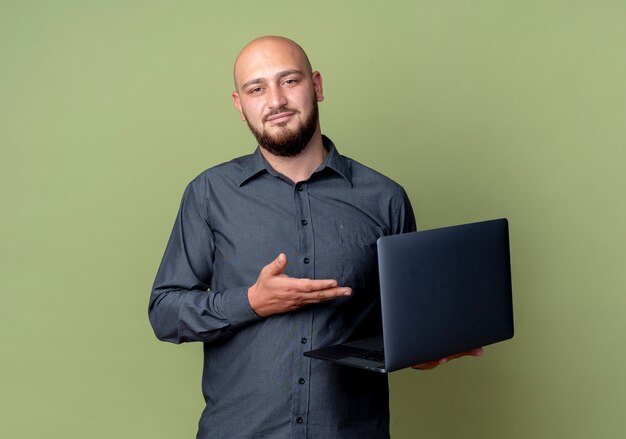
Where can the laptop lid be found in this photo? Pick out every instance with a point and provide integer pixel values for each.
(444, 291)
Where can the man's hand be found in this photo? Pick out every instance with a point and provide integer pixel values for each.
(274, 292)
(425, 366)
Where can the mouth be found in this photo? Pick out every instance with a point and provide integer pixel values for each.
(281, 117)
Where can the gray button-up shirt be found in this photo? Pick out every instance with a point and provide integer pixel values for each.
(234, 219)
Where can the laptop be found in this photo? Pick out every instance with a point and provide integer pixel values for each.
(443, 291)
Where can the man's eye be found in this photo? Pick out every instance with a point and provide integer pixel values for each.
(255, 90)
(290, 81)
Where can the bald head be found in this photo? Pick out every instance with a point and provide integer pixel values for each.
(266, 50)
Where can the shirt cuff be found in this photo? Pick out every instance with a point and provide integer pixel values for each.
(236, 307)
(209, 316)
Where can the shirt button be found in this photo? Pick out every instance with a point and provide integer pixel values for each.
(301, 381)
(304, 222)
(306, 260)
(299, 187)
(299, 420)
(303, 340)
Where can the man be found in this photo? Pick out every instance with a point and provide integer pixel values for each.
(273, 254)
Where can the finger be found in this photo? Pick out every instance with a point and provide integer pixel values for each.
(477, 352)
(472, 352)
(454, 357)
(277, 266)
(432, 364)
(426, 366)
(328, 294)
(313, 285)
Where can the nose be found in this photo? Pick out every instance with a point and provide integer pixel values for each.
(276, 98)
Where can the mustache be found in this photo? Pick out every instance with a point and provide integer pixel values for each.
(279, 111)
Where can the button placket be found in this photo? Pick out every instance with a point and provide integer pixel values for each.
(306, 269)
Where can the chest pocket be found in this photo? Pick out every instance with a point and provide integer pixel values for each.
(350, 256)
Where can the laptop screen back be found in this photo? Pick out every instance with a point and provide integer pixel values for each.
(444, 291)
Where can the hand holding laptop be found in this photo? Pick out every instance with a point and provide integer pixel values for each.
(432, 364)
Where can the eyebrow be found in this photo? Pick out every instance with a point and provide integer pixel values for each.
(278, 75)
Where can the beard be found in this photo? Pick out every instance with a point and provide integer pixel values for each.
(288, 143)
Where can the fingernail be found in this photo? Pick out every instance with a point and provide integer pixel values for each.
(347, 292)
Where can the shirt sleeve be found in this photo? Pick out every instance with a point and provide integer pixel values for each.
(182, 308)
(403, 220)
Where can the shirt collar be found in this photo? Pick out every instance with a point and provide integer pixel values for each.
(256, 164)
(335, 161)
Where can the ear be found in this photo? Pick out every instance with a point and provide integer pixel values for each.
(237, 102)
(317, 86)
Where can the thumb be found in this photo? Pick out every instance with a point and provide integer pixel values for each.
(277, 266)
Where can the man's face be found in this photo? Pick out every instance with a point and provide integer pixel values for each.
(277, 95)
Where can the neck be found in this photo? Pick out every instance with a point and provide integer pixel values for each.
(301, 167)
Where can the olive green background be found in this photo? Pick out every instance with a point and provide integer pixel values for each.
(481, 109)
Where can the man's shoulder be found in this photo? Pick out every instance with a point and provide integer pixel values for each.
(362, 174)
(227, 171)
